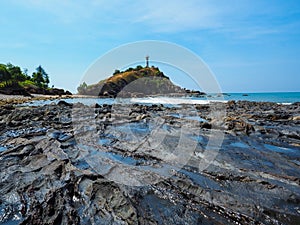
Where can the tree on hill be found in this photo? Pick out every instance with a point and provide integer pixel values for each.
(4, 73)
(116, 72)
(139, 67)
(82, 88)
(12, 76)
(15, 72)
(40, 77)
(37, 78)
(45, 75)
(25, 72)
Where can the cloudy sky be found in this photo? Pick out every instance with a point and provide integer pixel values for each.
(250, 46)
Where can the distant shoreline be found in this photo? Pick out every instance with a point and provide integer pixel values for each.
(275, 97)
(19, 99)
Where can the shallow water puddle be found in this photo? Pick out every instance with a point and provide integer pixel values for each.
(17, 133)
(81, 164)
(97, 159)
(134, 129)
(119, 158)
(239, 145)
(180, 116)
(124, 159)
(201, 180)
(3, 148)
(102, 162)
(198, 138)
(105, 141)
(280, 149)
(196, 118)
(94, 153)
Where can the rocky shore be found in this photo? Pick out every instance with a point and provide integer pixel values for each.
(149, 164)
(19, 99)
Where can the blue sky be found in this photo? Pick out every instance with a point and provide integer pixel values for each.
(250, 46)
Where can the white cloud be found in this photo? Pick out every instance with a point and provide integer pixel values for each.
(160, 15)
(242, 19)
(178, 15)
(237, 17)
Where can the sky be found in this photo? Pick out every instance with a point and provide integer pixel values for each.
(249, 45)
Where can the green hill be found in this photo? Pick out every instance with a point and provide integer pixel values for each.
(14, 81)
(137, 81)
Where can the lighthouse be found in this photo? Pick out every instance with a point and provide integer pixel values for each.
(147, 61)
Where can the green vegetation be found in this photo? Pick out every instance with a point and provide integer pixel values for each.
(4, 74)
(82, 87)
(142, 80)
(27, 83)
(11, 75)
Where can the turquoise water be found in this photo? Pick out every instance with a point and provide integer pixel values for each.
(280, 97)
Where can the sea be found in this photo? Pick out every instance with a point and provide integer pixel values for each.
(276, 97)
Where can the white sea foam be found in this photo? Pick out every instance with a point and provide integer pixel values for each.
(173, 101)
(285, 103)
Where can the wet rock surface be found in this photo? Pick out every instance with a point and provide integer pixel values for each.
(137, 164)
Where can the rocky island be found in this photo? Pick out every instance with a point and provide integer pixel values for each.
(136, 82)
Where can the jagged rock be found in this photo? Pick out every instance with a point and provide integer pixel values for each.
(55, 169)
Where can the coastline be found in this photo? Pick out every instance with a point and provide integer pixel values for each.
(19, 99)
(285, 98)
(259, 157)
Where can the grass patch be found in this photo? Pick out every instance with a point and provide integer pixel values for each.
(27, 83)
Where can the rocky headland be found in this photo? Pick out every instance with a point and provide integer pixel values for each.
(136, 82)
(112, 164)
(14, 81)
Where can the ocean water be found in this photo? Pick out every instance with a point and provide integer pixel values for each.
(277, 97)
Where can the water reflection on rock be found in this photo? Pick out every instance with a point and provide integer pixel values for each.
(121, 164)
